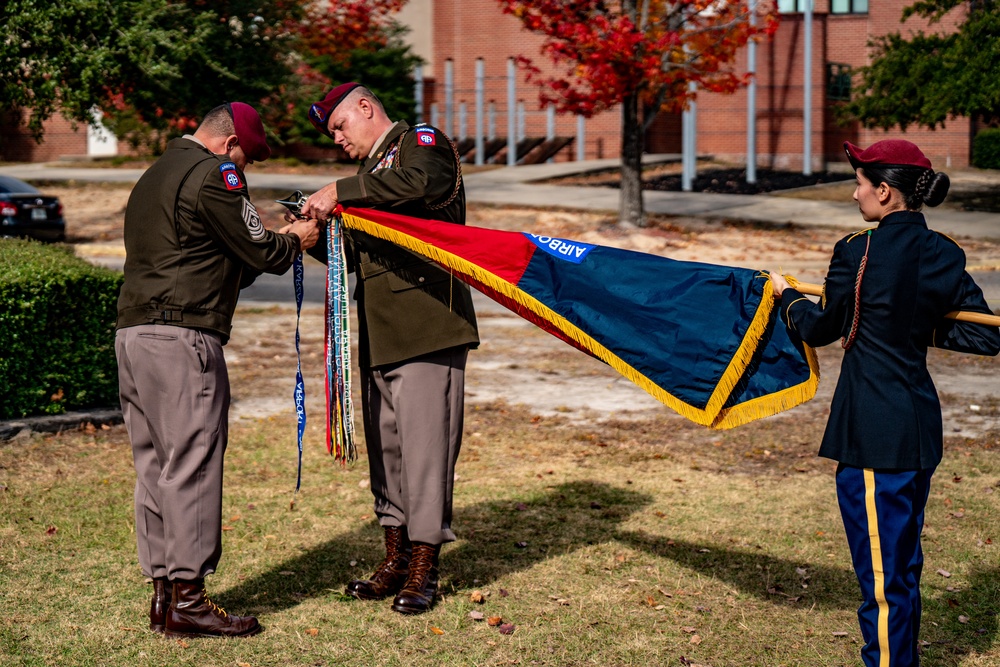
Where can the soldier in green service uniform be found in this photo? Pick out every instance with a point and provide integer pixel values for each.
(193, 239)
(416, 324)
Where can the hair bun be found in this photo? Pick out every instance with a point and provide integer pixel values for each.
(934, 192)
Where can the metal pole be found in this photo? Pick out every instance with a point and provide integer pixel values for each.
(492, 131)
(807, 90)
(581, 154)
(462, 118)
(752, 100)
(435, 116)
(480, 92)
(521, 122)
(689, 147)
(418, 92)
(511, 114)
(449, 97)
(550, 126)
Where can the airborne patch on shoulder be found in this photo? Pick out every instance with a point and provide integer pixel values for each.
(230, 176)
(426, 136)
(252, 220)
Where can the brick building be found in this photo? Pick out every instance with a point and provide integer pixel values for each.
(62, 139)
(463, 30)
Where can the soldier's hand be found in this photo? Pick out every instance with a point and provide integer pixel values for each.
(306, 229)
(320, 204)
(778, 283)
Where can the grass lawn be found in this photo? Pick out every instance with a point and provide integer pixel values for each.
(648, 542)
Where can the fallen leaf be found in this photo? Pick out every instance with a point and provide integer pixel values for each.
(226, 528)
(839, 634)
(242, 664)
(963, 619)
(436, 630)
(477, 597)
(507, 629)
(952, 603)
(650, 601)
(312, 632)
(286, 573)
(520, 507)
(695, 639)
(594, 505)
(688, 629)
(521, 545)
(476, 615)
(51, 530)
(494, 621)
(504, 593)
(944, 573)
(183, 644)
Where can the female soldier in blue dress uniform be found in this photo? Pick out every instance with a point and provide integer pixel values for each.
(886, 295)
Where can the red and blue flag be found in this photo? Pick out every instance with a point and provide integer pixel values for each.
(698, 337)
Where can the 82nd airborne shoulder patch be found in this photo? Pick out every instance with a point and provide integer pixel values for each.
(426, 136)
(230, 176)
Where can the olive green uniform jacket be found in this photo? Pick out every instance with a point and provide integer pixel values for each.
(192, 241)
(408, 306)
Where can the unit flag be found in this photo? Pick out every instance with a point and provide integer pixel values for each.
(698, 337)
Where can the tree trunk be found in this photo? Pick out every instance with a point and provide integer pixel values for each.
(630, 209)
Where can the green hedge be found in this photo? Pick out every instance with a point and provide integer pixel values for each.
(57, 327)
(986, 149)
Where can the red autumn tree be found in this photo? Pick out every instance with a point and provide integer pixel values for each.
(640, 54)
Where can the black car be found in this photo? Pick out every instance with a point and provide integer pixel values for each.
(26, 212)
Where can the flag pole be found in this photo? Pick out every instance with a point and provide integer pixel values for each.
(960, 315)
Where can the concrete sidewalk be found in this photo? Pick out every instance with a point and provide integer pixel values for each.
(524, 186)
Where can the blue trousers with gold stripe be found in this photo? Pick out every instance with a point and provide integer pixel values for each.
(883, 515)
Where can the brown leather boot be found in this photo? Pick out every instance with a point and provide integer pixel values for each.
(421, 586)
(162, 591)
(192, 614)
(389, 576)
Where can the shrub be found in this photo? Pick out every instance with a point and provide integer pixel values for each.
(986, 149)
(57, 322)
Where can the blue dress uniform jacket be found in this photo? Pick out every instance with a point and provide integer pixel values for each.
(885, 412)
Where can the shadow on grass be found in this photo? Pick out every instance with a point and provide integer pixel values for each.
(505, 536)
(979, 604)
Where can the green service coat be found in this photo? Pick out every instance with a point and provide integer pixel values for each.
(408, 306)
(192, 241)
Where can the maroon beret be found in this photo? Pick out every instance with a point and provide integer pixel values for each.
(897, 152)
(250, 131)
(320, 112)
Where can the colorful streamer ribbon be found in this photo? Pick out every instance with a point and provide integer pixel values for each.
(339, 406)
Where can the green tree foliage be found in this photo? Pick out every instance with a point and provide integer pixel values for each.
(348, 40)
(925, 78)
(155, 67)
(148, 64)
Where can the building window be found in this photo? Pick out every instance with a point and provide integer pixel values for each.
(836, 6)
(848, 6)
(791, 6)
(838, 81)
